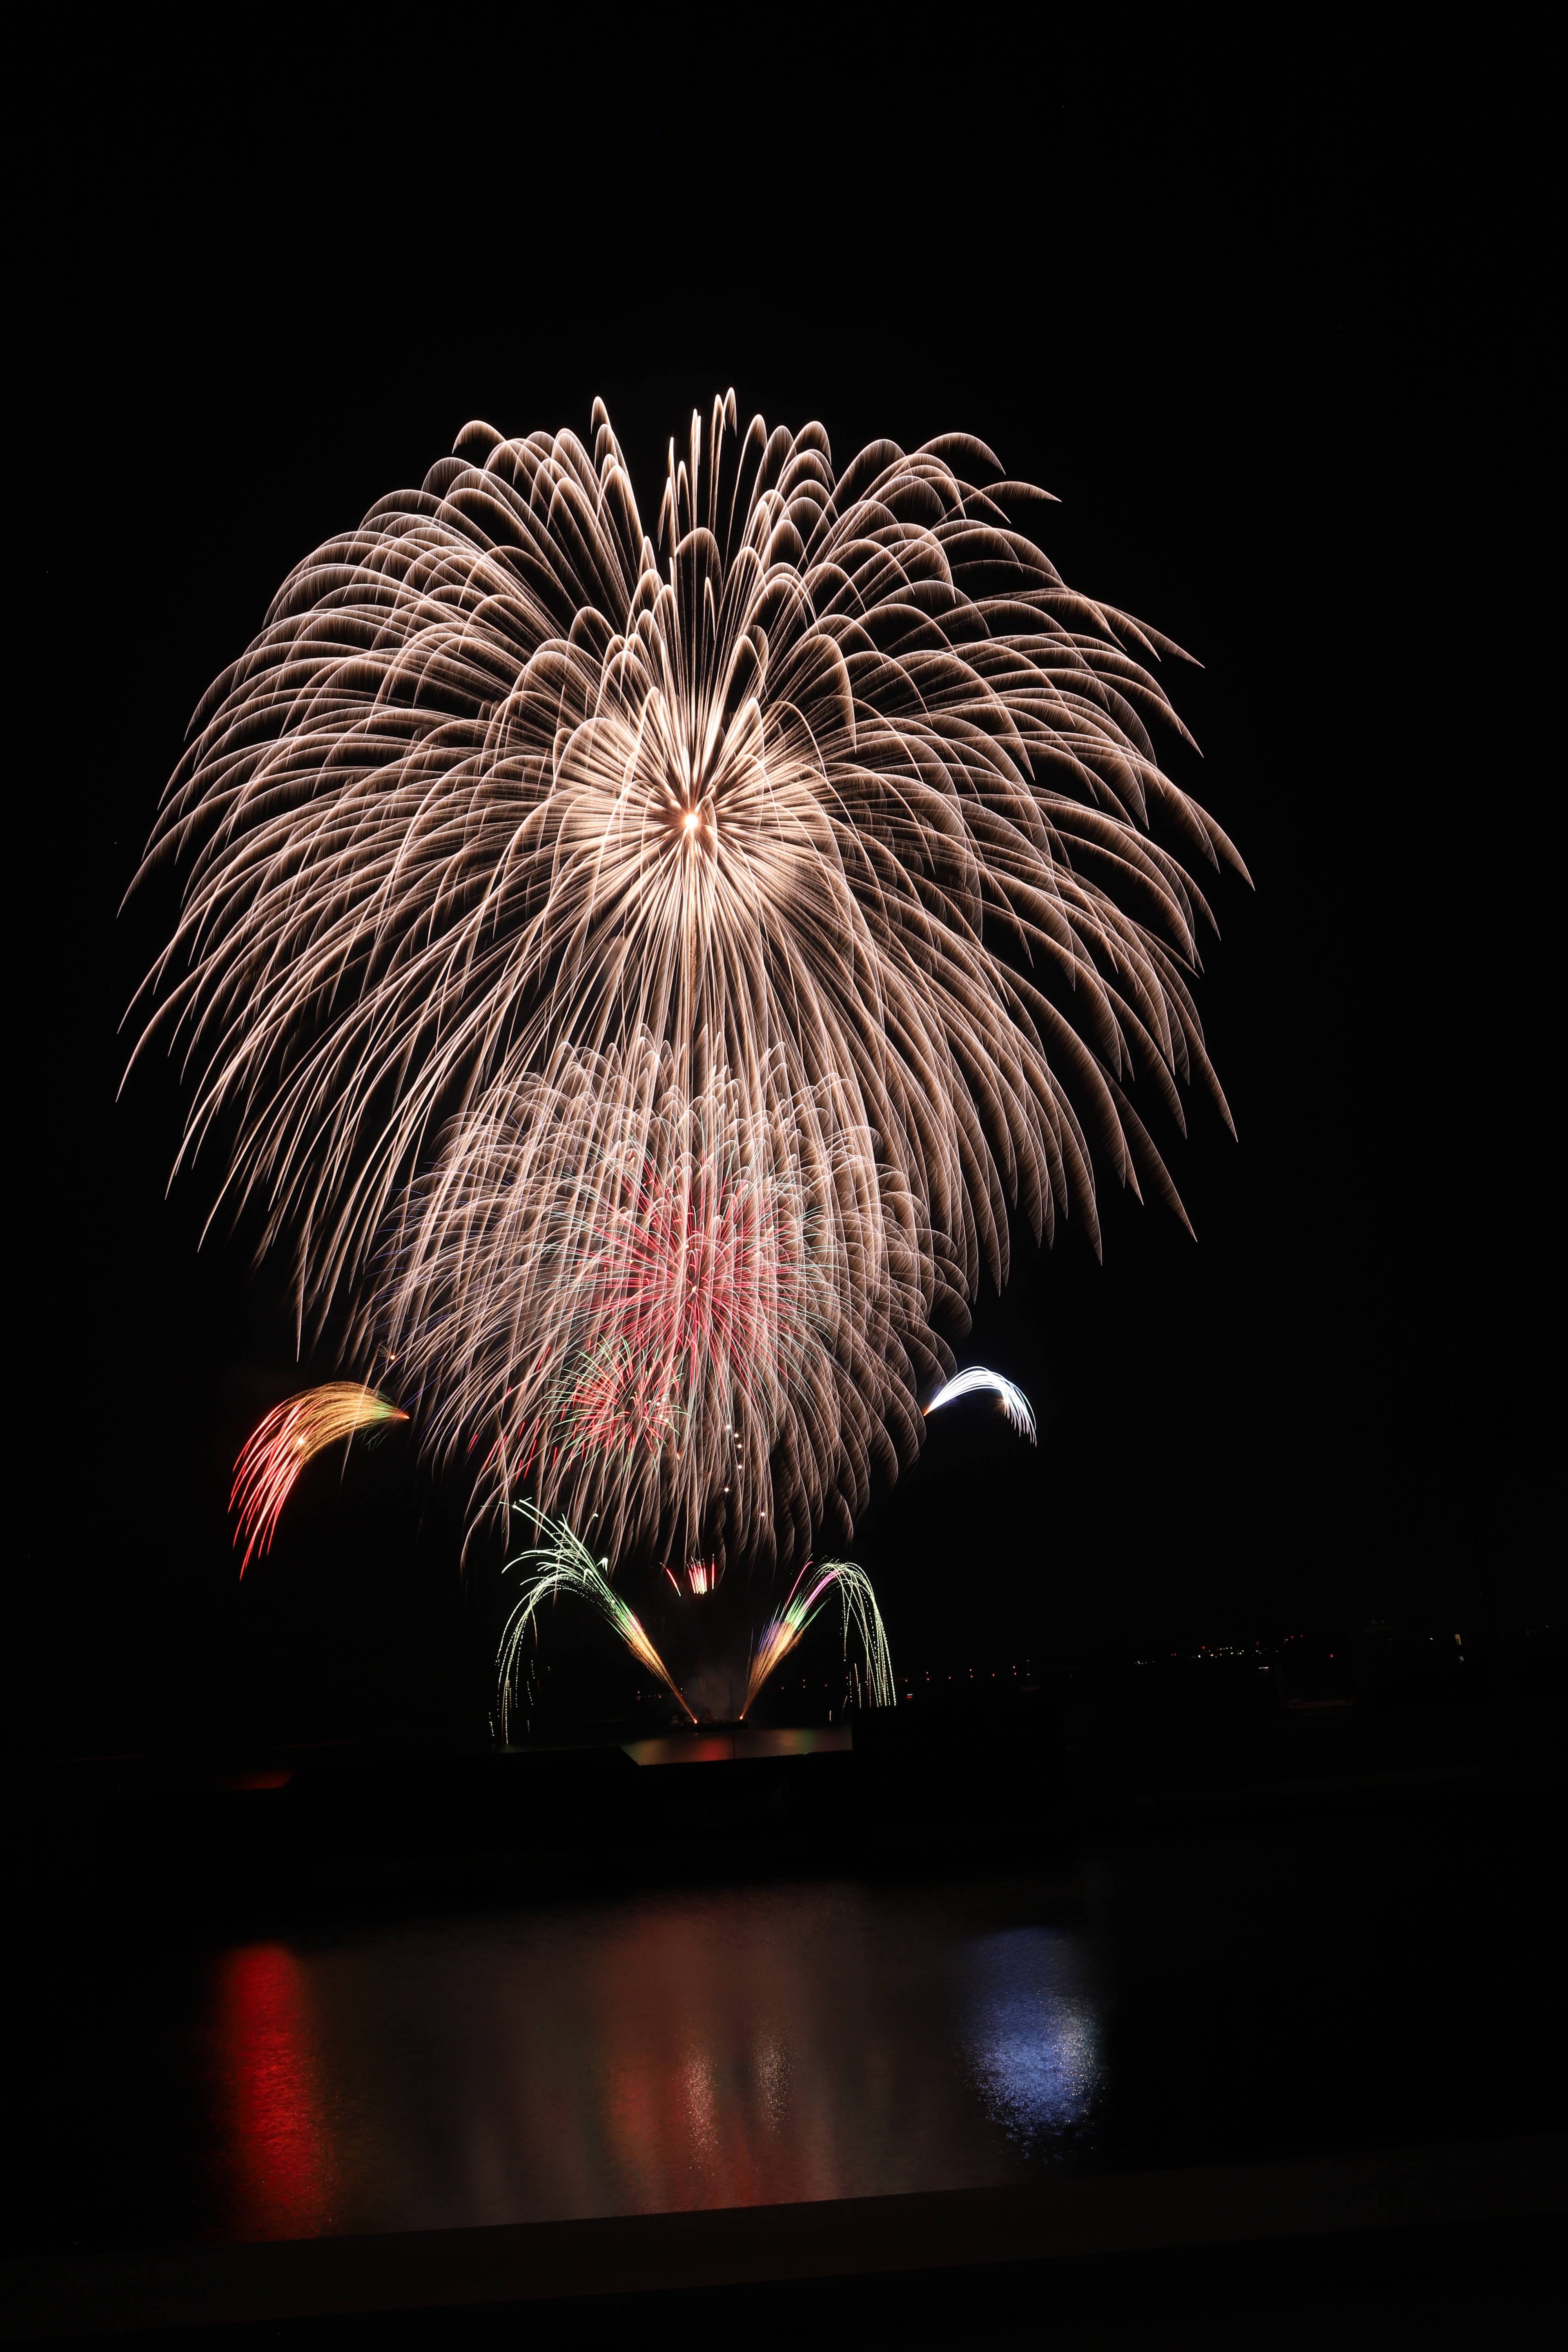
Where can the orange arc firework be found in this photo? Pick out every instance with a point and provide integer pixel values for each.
(293, 1433)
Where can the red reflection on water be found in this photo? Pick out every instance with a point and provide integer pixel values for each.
(279, 2153)
(690, 2085)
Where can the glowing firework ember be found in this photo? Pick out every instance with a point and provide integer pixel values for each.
(561, 1565)
(977, 1381)
(701, 1577)
(293, 1433)
(858, 1604)
(636, 973)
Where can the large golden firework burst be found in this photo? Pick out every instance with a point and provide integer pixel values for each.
(780, 894)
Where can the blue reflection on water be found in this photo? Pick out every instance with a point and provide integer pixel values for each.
(1030, 2033)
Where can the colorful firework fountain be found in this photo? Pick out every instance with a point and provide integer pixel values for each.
(563, 1564)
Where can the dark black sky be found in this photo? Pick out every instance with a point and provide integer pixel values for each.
(1271, 346)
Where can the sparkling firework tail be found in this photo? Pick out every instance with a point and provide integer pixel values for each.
(563, 1564)
(795, 886)
(858, 1604)
(1014, 1404)
(293, 1433)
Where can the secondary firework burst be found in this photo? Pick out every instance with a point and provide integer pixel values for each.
(851, 1587)
(293, 1433)
(634, 972)
(689, 1292)
(978, 1382)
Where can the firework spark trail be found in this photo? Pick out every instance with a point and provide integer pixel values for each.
(563, 1564)
(798, 879)
(293, 1433)
(976, 1380)
(858, 1604)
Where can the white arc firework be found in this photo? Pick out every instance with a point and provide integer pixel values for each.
(634, 972)
(976, 1381)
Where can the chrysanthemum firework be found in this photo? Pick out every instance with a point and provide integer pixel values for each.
(635, 972)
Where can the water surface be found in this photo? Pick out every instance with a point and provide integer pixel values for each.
(736, 2048)
(1193, 1998)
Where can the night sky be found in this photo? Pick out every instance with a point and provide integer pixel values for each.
(1285, 384)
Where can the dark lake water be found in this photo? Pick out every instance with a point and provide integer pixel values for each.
(1159, 2001)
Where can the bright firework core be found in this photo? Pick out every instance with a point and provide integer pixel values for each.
(665, 1177)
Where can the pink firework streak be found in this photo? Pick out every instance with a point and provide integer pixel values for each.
(692, 1309)
(692, 1276)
